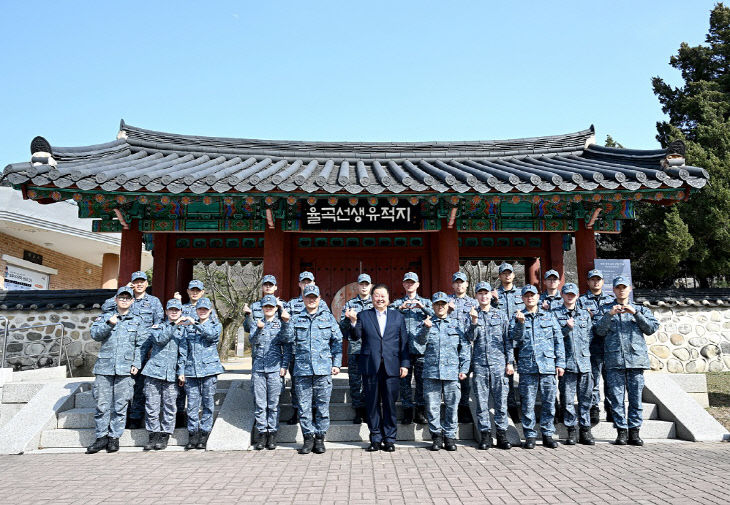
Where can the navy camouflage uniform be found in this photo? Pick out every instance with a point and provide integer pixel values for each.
(554, 301)
(539, 344)
(269, 353)
(353, 349)
(316, 342)
(164, 365)
(202, 366)
(626, 358)
(447, 353)
(414, 319)
(577, 378)
(149, 309)
(510, 302)
(114, 385)
(491, 353)
(462, 307)
(594, 304)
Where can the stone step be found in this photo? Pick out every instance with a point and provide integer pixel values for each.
(650, 429)
(340, 394)
(20, 392)
(649, 410)
(84, 417)
(85, 400)
(343, 431)
(85, 436)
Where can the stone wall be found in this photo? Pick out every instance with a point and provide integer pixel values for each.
(691, 339)
(39, 347)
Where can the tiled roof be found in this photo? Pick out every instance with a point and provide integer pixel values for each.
(149, 161)
(683, 297)
(62, 299)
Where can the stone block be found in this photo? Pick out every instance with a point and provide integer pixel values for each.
(676, 339)
(232, 427)
(660, 351)
(40, 374)
(691, 383)
(20, 392)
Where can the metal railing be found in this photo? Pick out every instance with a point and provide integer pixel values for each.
(61, 347)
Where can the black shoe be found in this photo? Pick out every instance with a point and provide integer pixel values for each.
(420, 417)
(271, 441)
(464, 414)
(318, 444)
(529, 443)
(407, 415)
(112, 445)
(151, 441)
(634, 438)
(203, 440)
(308, 444)
(549, 442)
(595, 415)
(181, 419)
(294, 419)
(192, 440)
(570, 439)
(437, 442)
(99, 444)
(388, 447)
(623, 436)
(449, 444)
(502, 441)
(585, 436)
(373, 447)
(485, 442)
(358, 416)
(514, 414)
(260, 441)
(162, 439)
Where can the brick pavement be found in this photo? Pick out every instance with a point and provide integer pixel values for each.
(662, 473)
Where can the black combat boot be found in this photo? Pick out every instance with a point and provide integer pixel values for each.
(514, 414)
(112, 445)
(151, 441)
(570, 439)
(203, 440)
(549, 442)
(358, 416)
(420, 417)
(437, 442)
(464, 414)
(485, 442)
(99, 444)
(181, 419)
(260, 441)
(609, 412)
(407, 415)
(585, 436)
(162, 440)
(449, 444)
(595, 415)
(308, 444)
(623, 436)
(634, 438)
(529, 443)
(502, 441)
(271, 441)
(319, 444)
(294, 419)
(192, 440)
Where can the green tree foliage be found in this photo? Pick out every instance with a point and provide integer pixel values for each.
(691, 238)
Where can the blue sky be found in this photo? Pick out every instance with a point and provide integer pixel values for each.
(389, 71)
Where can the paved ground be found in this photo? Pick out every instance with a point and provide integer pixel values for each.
(659, 473)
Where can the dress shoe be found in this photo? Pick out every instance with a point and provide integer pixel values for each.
(388, 447)
(373, 447)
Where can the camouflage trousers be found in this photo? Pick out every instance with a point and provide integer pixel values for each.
(598, 374)
(493, 384)
(433, 390)
(266, 388)
(314, 391)
(622, 382)
(112, 394)
(201, 393)
(573, 383)
(353, 371)
(160, 406)
(529, 385)
(406, 391)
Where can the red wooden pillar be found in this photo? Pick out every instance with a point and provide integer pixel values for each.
(447, 247)
(532, 272)
(130, 254)
(585, 251)
(184, 275)
(159, 271)
(170, 266)
(556, 254)
(277, 257)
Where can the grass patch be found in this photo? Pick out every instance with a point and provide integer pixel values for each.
(718, 391)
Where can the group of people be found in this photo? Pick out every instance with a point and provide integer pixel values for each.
(424, 351)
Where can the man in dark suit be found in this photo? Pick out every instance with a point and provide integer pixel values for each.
(384, 360)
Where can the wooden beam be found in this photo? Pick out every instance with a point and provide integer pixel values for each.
(556, 254)
(585, 251)
(532, 272)
(159, 270)
(130, 254)
(447, 248)
(277, 255)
